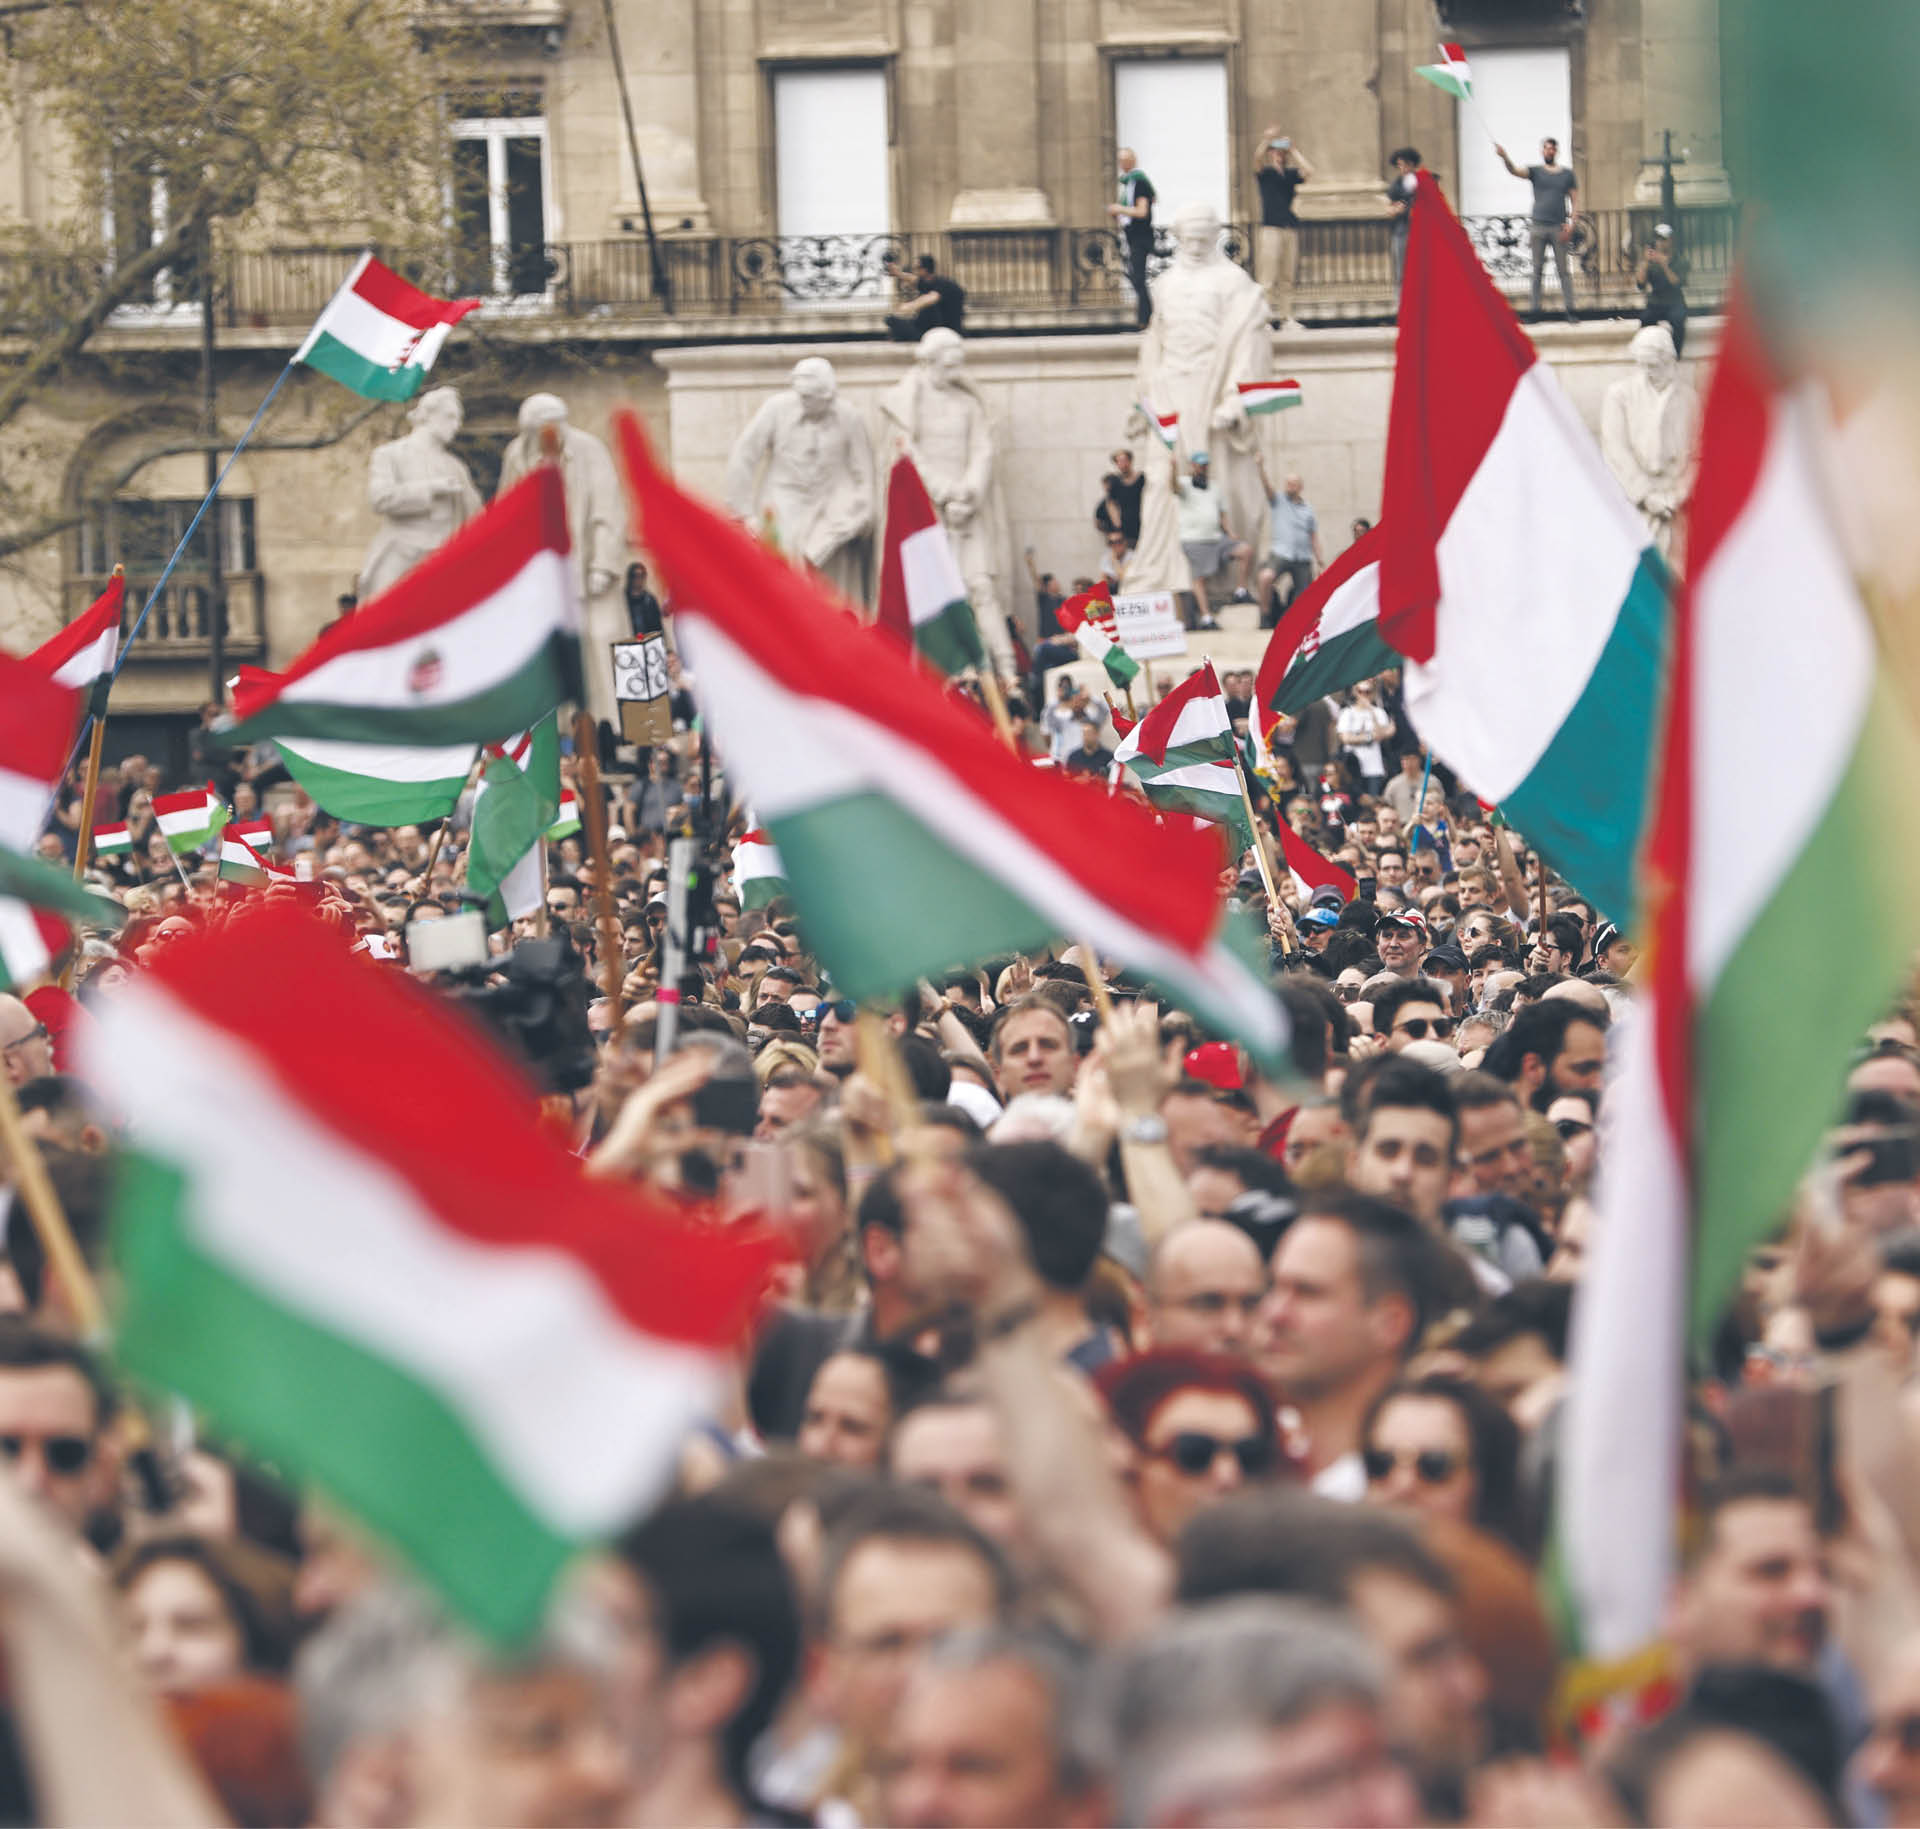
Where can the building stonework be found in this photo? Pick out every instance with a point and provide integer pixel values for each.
(993, 140)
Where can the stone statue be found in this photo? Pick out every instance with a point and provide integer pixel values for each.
(420, 489)
(595, 510)
(1648, 423)
(805, 463)
(936, 415)
(1208, 334)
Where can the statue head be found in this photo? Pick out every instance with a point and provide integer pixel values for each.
(813, 381)
(438, 413)
(542, 409)
(943, 355)
(1196, 233)
(1653, 354)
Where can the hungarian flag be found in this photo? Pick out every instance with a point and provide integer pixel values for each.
(1269, 396)
(1519, 582)
(1792, 912)
(518, 797)
(1311, 871)
(109, 841)
(436, 1318)
(757, 876)
(568, 820)
(923, 598)
(1167, 425)
(1450, 73)
(1088, 618)
(241, 863)
(82, 655)
(1182, 754)
(378, 335)
(257, 834)
(38, 905)
(188, 819)
(38, 719)
(912, 840)
(381, 719)
(1328, 637)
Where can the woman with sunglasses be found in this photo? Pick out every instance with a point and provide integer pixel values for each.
(1197, 1425)
(1443, 1447)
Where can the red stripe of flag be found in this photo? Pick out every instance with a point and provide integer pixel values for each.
(909, 509)
(1156, 728)
(1311, 868)
(397, 1075)
(1302, 615)
(386, 291)
(84, 630)
(1159, 879)
(483, 558)
(1094, 606)
(38, 719)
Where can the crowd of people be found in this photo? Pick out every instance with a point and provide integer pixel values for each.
(1135, 1436)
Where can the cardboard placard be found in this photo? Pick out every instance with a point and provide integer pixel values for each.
(642, 689)
(1149, 626)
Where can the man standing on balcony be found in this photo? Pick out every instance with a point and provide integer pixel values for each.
(1556, 208)
(1280, 168)
(1134, 214)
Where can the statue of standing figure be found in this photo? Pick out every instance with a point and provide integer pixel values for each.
(1648, 426)
(805, 462)
(1208, 334)
(936, 415)
(595, 514)
(420, 489)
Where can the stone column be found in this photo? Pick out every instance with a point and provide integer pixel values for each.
(997, 116)
(1680, 89)
(1330, 103)
(662, 55)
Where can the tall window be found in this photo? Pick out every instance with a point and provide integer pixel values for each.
(137, 216)
(499, 198)
(1173, 112)
(830, 152)
(1525, 95)
(141, 534)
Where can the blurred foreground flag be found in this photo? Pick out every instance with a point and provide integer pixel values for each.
(431, 1312)
(378, 335)
(1518, 581)
(39, 904)
(923, 599)
(912, 840)
(1793, 911)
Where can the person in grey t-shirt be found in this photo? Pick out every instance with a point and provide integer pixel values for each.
(1556, 207)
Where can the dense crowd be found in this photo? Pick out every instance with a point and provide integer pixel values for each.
(1135, 1437)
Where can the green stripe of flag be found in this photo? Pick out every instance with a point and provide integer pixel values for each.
(374, 800)
(1354, 654)
(367, 379)
(950, 640)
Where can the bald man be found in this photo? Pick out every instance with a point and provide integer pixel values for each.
(1204, 1287)
(25, 1047)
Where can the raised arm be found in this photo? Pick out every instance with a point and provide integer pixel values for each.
(1500, 153)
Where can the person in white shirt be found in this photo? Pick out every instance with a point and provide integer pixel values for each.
(1362, 727)
(1207, 539)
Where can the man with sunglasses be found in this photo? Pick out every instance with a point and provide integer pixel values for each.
(26, 1049)
(56, 1408)
(1413, 1010)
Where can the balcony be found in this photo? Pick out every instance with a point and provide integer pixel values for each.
(176, 628)
(1018, 280)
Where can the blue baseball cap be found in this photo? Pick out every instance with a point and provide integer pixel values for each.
(1320, 915)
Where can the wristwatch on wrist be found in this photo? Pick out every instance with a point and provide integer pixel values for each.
(1148, 1129)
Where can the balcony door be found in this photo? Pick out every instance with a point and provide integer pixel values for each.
(500, 202)
(833, 185)
(1524, 94)
(1173, 112)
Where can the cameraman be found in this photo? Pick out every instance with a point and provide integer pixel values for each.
(1660, 275)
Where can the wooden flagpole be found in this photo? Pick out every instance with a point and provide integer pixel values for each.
(49, 1221)
(593, 810)
(1258, 829)
(83, 849)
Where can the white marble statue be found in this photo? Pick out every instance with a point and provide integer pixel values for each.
(935, 414)
(1208, 334)
(421, 491)
(1648, 426)
(805, 462)
(595, 519)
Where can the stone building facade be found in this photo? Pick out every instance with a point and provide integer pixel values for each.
(788, 146)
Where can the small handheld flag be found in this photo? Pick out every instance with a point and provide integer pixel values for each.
(188, 819)
(378, 335)
(1269, 396)
(1166, 424)
(1450, 73)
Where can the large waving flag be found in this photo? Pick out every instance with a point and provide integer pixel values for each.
(378, 335)
(1519, 581)
(1182, 754)
(381, 719)
(38, 905)
(1792, 912)
(911, 839)
(436, 1317)
(923, 598)
(38, 719)
(83, 654)
(1328, 637)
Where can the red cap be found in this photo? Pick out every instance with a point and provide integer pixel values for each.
(61, 1015)
(1218, 1063)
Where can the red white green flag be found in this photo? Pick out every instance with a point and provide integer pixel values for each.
(1784, 904)
(1088, 618)
(241, 863)
(378, 335)
(38, 719)
(111, 840)
(38, 905)
(1311, 871)
(257, 834)
(757, 874)
(1451, 73)
(188, 819)
(1165, 425)
(923, 598)
(436, 1318)
(1269, 396)
(912, 840)
(1328, 637)
(83, 654)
